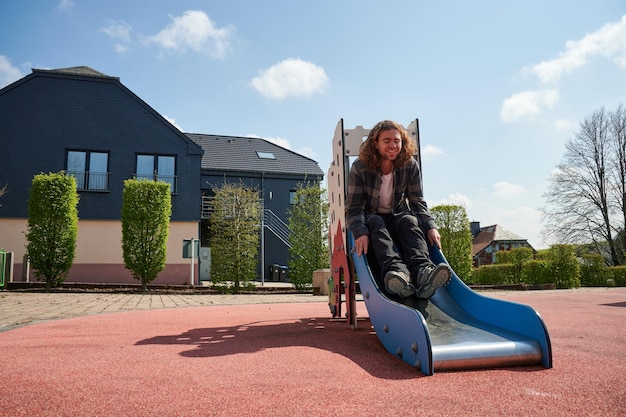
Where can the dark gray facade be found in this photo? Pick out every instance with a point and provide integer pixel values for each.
(48, 113)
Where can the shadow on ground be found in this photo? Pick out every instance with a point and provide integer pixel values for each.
(361, 346)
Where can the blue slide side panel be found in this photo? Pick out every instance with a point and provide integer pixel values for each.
(515, 317)
(392, 320)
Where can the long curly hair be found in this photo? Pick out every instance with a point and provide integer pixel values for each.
(369, 154)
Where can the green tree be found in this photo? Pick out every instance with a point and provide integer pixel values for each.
(308, 222)
(52, 226)
(146, 211)
(456, 238)
(235, 222)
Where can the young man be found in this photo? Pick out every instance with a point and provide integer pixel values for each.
(386, 212)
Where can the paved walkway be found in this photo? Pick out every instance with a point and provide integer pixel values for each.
(23, 308)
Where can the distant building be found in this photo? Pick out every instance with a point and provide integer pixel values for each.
(488, 241)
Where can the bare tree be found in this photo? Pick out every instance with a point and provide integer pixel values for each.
(618, 179)
(582, 197)
(3, 191)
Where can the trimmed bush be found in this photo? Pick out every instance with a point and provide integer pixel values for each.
(52, 227)
(564, 266)
(501, 274)
(593, 273)
(558, 265)
(617, 275)
(515, 257)
(536, 272)
(146, 211)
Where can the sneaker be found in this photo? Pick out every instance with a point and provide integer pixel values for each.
(397, 282)
(431, 277)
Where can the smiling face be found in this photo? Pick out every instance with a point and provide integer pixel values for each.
(389, 145)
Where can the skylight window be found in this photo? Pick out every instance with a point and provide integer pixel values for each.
(266, 155)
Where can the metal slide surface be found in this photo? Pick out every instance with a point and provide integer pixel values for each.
(456, 329)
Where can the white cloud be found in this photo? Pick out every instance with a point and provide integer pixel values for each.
(307, 151)
(609, 41)
(173, 121)
(8, 73)
(284, 143)
(292, 77)
(195, 31)
(527, 104)
(66, 5)
(456, 199)
(503, 189)
(562, 125)
(431, 151)
(523, 221)
(119, 31)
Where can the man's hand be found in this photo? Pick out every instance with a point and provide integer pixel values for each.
(434, 238)
(360, 244)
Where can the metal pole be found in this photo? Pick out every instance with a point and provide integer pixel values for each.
(263, 247)
(193, 254)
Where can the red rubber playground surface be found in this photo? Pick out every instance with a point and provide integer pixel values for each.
(294, 360)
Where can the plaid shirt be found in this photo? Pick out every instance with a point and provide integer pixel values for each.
(364, 195)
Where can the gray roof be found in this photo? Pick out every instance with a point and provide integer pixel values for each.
(495, 233)
(235, 153)
(82, 70)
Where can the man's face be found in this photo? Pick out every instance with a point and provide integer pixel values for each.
(389, 144)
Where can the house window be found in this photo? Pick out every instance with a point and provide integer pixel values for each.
(157, 168)
(292, 197)
(265, 155)
(90, 170)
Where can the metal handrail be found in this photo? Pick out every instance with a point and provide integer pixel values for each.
(275, 224)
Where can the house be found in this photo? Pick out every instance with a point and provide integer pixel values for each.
(97, 130)
(261, 165)
(487, 241)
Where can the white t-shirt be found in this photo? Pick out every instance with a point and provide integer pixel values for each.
(386, 194)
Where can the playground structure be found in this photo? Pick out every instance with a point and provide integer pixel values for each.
(456, 329)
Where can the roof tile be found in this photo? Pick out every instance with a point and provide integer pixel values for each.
(235, 153)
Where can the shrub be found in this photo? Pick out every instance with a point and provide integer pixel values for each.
(564, 266)
(515, 257)
(618, 275)
(593, 272)
(536, 272)
(146, 211)
(52, 226)
(500, 274)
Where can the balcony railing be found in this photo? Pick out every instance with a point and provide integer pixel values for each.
(91, 181)
(172, 180)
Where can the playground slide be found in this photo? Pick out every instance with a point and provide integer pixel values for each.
(456, 329)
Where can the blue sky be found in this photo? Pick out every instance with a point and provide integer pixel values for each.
(498, 86)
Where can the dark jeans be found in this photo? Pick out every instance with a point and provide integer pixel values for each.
(398, 243)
